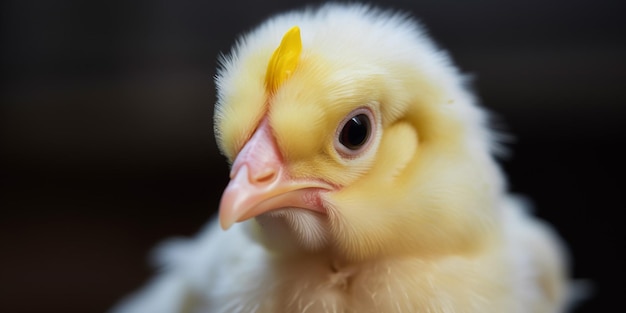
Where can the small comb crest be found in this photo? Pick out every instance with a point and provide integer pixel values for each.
(284, 60)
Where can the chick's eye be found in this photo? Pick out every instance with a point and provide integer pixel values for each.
(355, 132)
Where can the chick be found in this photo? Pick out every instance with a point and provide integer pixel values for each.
(362, 180)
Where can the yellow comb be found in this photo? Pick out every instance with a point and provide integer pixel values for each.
(284, 60)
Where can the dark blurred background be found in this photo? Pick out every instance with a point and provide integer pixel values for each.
(107, 148)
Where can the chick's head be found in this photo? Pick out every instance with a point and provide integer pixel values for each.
(367, 144)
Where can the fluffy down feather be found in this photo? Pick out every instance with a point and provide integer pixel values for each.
(417, 220)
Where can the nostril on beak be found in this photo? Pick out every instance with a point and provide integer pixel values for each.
(264, 177)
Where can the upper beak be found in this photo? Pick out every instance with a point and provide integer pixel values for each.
(260, 183)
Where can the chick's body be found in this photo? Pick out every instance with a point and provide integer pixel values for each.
(413, 219)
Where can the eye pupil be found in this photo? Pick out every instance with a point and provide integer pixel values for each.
(356, 131)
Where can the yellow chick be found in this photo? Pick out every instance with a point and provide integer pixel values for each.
(363, 180)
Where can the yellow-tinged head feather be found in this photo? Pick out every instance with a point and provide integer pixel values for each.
(284, 60)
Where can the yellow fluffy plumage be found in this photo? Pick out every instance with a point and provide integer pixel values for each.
(410, 215)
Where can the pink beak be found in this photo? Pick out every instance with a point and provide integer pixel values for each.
(259, 182)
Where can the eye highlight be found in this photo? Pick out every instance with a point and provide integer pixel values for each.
(354, 132)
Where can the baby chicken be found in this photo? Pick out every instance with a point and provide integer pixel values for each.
(362, 180)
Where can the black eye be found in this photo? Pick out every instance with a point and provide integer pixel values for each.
(355, 132)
